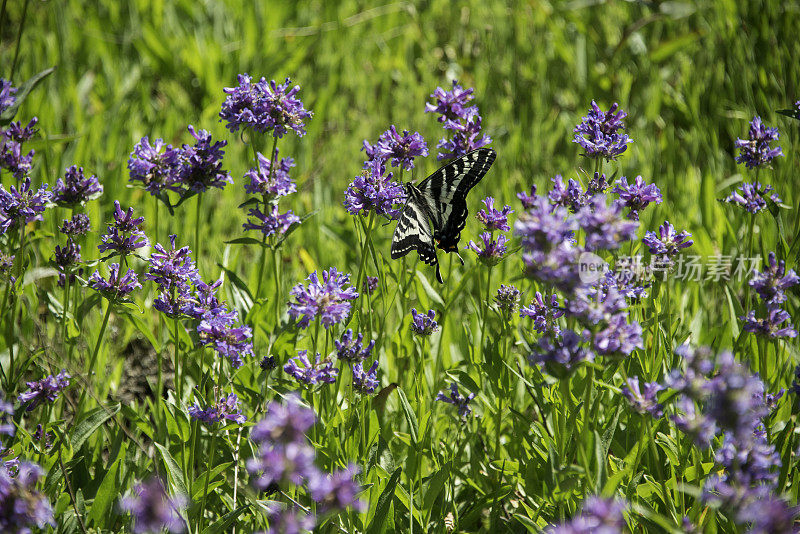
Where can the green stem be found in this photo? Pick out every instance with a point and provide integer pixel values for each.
(262, 263)
(17, 303)
(19, 39)
(277, 275)
(93, 360)
(362, 266)
(177, 366)
(208, 476)
(197, 230)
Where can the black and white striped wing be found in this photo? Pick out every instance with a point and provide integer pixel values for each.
(445, 193)
(413, 232)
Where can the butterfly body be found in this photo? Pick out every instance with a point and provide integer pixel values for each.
(436, 209)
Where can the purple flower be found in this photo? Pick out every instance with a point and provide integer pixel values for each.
(619, 336)
(284, 422)
(570, 196)
(772, 283)
(173, 267)
(598, 184)
(493, 219)
(288, 520)
(452, 105)
(156, 170)
(11, 156)
(637, 195)
(604, 225)
(17, 132)
(507, 298)
(467, 137)
(264, 107)
(226, 407)
(370, 284)
(374, 190)
(457, 399)
(492, 251)
(22, 506)
(768, 515)
(337, 492)
(321, 371)
(643, 401)
(770, 326)
(327, 300)
(152, 509)
(543, 314)
(755, 150)
(423, 325)
(401, 149)
(751, 197)
(268, 363)
(6, 419)
(693, 423)
(560, 353)
(7, 92)
(6, 263)
(528, 200)
(78, 225)
(75, 188)
(599, 516)
(115, 287)
(599, 135)
(124, 235)
(201, 164)
(218, 330)
(46, 389)
(272, 223)
(65, 258)
(599, 302)
(365, 382)
(22, 204)
(42, 438)
(268, 181)
(668, 243)
(350, 349)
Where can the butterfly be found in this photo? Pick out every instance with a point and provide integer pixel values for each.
(436, 209)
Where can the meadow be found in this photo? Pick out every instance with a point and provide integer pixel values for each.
(203, 328)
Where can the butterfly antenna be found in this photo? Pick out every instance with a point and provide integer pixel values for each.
(460, 258)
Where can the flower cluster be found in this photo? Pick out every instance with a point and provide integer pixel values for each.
(201, 163)
(124, 235)
(271, 182)
(458, 400)
(155, 165)
(350, 349)
(756, 151)
(152, 509)
(22, 205)
(264, 107)
(643, 402)
(78, 224)
(308, 373)
(46, 389)
(7, 92)
(75, 188)
(492, 250)
(398, 149)
(637, 195)
(365, 382)
(22, 506)
(458, 117)
(544, 311)
(598, 133)
(667, 243)
(284, 458)
(115, 287)
(423, 324)
(374, 190)
(327, 300)
(65, 259)
(12, 156)
(750, 197)
(507, 298)
(771, 285)
(605, 516)
(226, 407)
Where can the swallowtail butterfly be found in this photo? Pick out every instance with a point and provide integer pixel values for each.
(436, 209)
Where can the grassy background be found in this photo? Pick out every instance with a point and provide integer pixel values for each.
(689, 75)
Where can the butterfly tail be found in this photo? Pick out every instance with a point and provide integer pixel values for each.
(439, 274)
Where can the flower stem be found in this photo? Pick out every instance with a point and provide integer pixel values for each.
(93, 361)
(263, 261)
(197, 230)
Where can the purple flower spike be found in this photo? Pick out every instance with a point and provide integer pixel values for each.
(153, 510)
(599, 135)
(265, 107)
(22, 204)
(750, 196)
(452, 105)
(284, 423)
(560, 353)
(770, 326)
(75, 188)
(643, 402)
(507, 298)
(604, 225)
(350, 349)
(79, 224)
(467, 137)
(46, 389)
(528, 200)
(493, 219)
(423, 325)
(637, 195)
(755, 150)
(124, 235)
(20, 134)
(365, 382)
(289, 521)
(272, 223)
(619, 336)
(599, 516)
(173, 267)
(226, 407)
(268, 181)
(569, 195)
(370, 284)
(12, 157)
(156, 170)
(337, 492)
(544, 314)
(668, 243)
(7, 92)
(218, 330)
(457, 399)
(321, 371)
(401, 149)
(201, 163)
(373, 190)
(772, 283)
(115, 287)
(327, 300)
(22, 505)
(493, 249)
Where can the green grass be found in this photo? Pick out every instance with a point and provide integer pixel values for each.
(689, 75)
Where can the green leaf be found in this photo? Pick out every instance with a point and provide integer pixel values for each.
(435, 485)
(90, 423)
(146, 331)
(247, 241)
(384, 501)
(411, 417)
(429, 290)
(22, 93)
(106, 494)
(294, 227)
(174, 470)
(222, 524)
